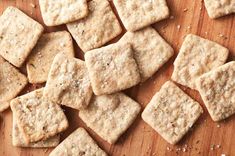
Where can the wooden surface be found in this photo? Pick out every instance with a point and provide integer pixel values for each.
(140, 139)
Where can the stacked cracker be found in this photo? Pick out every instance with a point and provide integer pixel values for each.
(199, 65)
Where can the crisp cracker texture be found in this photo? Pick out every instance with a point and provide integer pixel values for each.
(100, 26)
(41, 57)
(79, 143)
(136, 14)
(196, 57)
(37, 117)
(151, 51)
(68, 82)
(217, 89)
(56, 12)
(110, 115)
(112, 68)
(18, 35)
(4, 105)
(171, 112)
(11, 83)
(218, 8)
(18, 139)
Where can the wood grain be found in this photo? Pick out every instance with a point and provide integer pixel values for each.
(140, 139)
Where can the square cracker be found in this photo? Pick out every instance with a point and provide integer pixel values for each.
(18, 139)
(68, 82)
(217, 89)
(42, 55)
(100, 26)
(18, 35)
(218, 8)
(112, 68)
(11, 83)
(63, 11)
(196, 57)
(151, 51)
(78, 143)
(171, 112)
(110, 115)
(37, 117)
(136, 14)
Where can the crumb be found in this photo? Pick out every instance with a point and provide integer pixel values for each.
(185, 10)
(32, 5)
(178, 27)
(46, 150)
(212, 147)
(222, 36)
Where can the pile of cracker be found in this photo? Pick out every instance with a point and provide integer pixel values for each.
(94, 86)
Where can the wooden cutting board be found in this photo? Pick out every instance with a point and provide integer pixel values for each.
(206, 138)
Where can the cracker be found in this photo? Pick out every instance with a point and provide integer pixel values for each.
(4, 105)
(100, 26)
(171, 112)
(196, 57)
(18, 139)
(218, 8)
(60, 12)
(110, 115)
(18, 35)
(151, 51)
(41, 57)
(11, 83)
(68, 82)
(217, 91)
(112, 68)
(37, 117)
(136, 14)
(78, 143)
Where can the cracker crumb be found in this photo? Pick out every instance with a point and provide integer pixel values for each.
(32, 5)
(178, 27)
(212, 147)
(222, 36)
(46, 150)
(185, 10)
